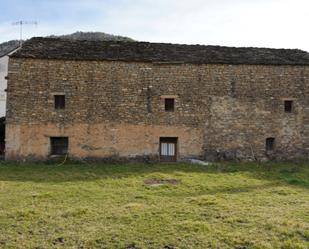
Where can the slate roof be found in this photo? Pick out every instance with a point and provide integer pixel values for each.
(53, 48)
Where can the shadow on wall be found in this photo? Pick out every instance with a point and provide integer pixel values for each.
(279, 173)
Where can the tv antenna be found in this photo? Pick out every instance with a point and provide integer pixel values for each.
(21, 24)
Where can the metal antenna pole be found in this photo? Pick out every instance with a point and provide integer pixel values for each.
(21, 33)
(21, 23)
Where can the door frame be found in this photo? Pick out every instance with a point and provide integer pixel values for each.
(173, 140)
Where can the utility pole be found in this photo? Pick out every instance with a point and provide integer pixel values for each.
(21, 23)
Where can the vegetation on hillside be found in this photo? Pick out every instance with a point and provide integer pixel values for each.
(93, 36)
(7, 47)
(154, 206)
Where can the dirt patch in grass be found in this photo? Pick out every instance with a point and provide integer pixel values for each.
(59, 240)
(161, 181)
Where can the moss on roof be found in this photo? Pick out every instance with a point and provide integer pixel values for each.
(53, 48)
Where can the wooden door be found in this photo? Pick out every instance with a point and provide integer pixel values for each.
(168, 149)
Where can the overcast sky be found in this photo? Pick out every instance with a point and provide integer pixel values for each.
(258, 23)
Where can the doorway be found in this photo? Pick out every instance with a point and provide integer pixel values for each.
(168, 149)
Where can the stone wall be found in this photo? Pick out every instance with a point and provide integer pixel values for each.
(99, 141)
(117, 108)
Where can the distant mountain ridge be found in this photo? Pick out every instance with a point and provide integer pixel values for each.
(9, 46)
(93, 36)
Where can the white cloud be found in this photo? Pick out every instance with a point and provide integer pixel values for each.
(239, 23)
(262, 23)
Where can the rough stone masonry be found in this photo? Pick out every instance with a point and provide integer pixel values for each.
(228, 103)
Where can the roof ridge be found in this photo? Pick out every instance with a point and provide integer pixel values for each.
(160, 43)
(136, 51)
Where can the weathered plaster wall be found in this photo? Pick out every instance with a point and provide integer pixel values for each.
(222, 111)
(3, 83)
(100, 140)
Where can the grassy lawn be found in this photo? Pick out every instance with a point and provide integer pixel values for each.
(110, 206)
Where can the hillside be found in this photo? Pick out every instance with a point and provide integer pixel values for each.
(8, 46)
(93, 36)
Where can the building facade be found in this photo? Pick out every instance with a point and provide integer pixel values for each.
(157, 102)
(4, 60)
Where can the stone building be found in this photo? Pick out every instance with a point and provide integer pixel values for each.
(153, 101)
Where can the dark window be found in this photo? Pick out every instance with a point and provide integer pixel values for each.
(59, 145)
(59, 101)
(169, 105)
(270, 143)
(288, 105)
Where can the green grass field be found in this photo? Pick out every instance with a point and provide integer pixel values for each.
(228, 205)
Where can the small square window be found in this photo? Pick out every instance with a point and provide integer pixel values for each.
(59, 145)
(288, 105)
(169, 104)
(59, 101)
